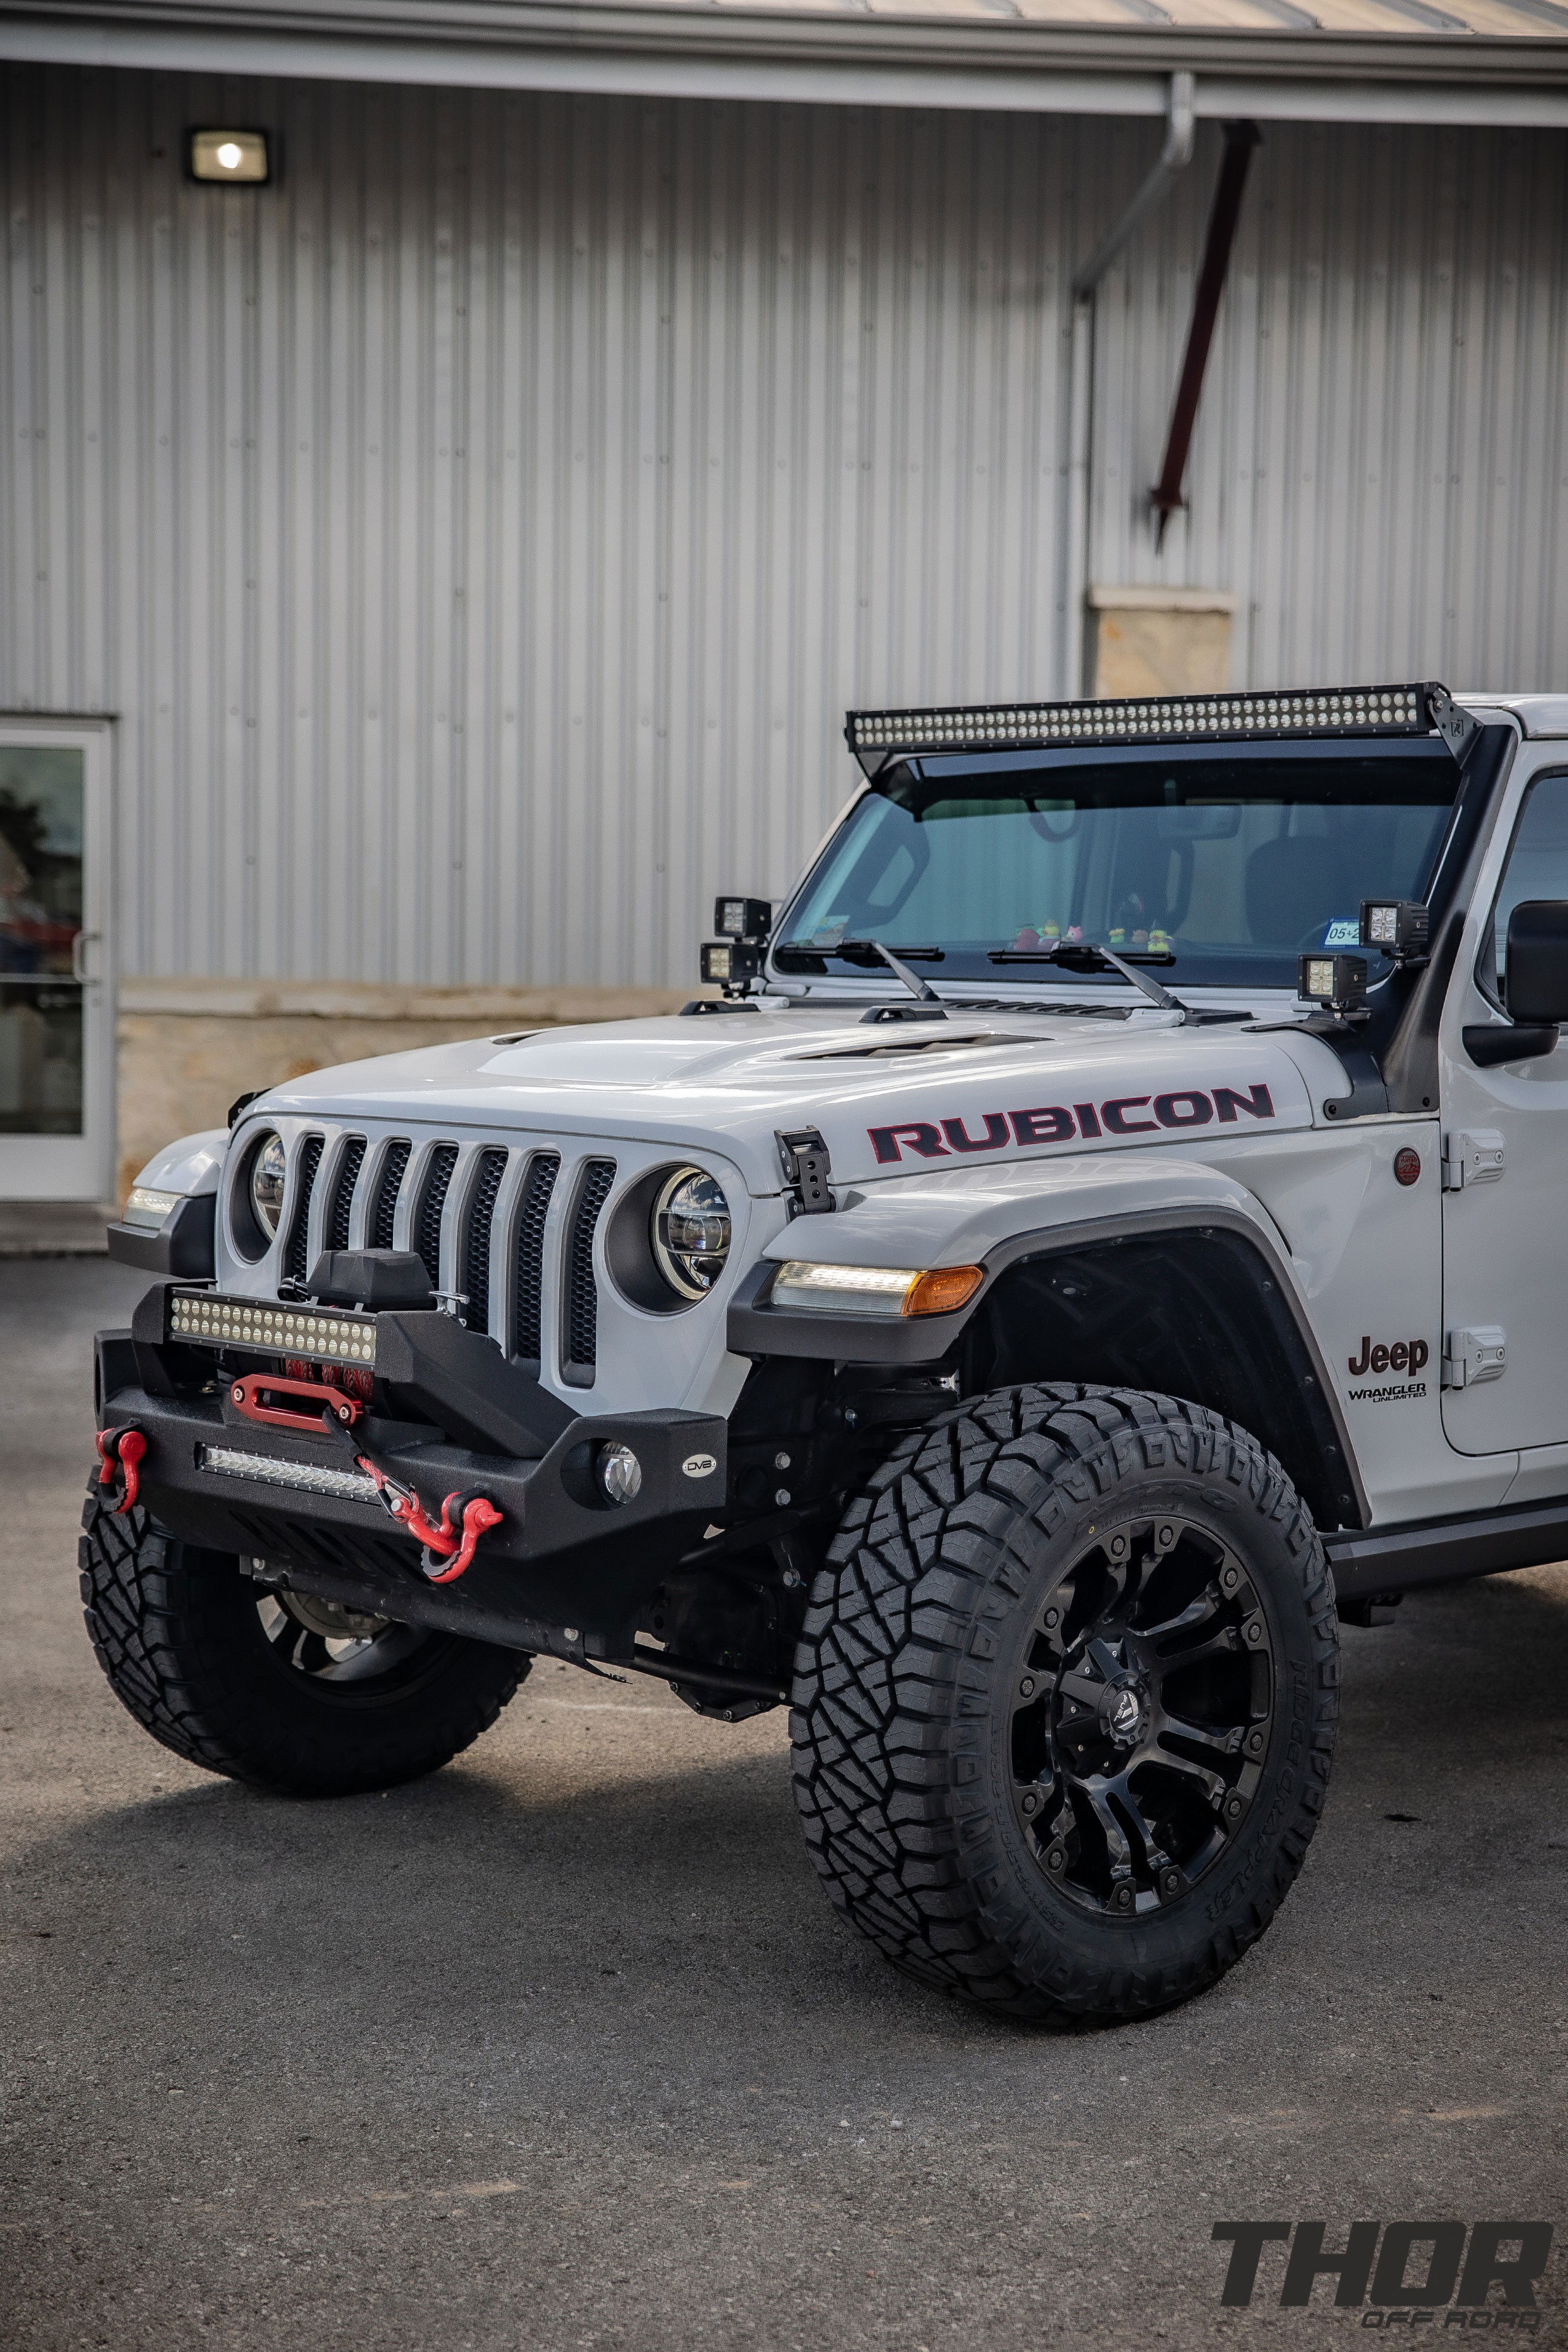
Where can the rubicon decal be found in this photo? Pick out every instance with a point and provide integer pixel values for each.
(998, 1131)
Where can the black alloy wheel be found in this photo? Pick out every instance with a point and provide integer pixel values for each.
(1141, 1719)
(1065, 1699)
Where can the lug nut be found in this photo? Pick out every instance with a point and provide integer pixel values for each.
(1118, 1547)
(1231, 1580)
(1055, 1859)
(780, 1462)
(1164, 1538)
(1254, 1633)
(1234, 1807)
(1171, 1881)
(1255, 1743)
(1031, 1801)
(1026, 1687)
(1051, 1619)
(1124, 1898)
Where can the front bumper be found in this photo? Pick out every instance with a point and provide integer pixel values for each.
(565, 1571)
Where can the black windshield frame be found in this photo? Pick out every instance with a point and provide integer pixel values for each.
(1398, 775)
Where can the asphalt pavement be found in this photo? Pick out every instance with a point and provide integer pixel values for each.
(564, 2048)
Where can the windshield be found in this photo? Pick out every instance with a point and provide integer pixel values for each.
(1225, 866)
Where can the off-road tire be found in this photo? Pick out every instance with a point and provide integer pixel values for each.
(909, 1668)
(178, 1631)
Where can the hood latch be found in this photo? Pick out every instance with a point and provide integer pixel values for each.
(808, 1173)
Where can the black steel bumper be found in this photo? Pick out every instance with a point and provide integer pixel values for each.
(565, 1569)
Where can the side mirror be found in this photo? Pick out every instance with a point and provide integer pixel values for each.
(1536, 984)
(1535, 987)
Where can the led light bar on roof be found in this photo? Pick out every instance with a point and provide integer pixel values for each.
(1174, 719)
(330, 1337)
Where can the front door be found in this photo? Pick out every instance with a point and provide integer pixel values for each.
(1505, 1229)
(57, 1046)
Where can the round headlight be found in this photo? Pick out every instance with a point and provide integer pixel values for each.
(268, 1167)
(690, 1232)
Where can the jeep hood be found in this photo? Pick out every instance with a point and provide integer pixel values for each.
(888, 1096)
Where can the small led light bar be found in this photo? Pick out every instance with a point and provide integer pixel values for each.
(258, 1324)
(1400, 926)
(1175, 719)
(1338, 982)
(233, 1462)
(742, 918)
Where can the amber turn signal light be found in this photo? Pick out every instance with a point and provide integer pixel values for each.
(944, 1289)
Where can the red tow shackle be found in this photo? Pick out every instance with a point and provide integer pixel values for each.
(448, 1546)
(121, 1451)
(464, 1517)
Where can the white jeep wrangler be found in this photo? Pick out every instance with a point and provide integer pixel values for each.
(1109, 1230)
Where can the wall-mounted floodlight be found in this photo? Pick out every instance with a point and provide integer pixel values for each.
(238, 156)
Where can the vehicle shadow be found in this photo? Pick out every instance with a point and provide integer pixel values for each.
(570, 1870)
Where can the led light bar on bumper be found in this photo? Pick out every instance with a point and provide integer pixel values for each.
(888, 1291)
(1175, 719)
(334, 1337)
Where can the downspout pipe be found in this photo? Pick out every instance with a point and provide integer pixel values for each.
(1181, 125)
(1174, 157)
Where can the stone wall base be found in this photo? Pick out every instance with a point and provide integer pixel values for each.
(186, 1048)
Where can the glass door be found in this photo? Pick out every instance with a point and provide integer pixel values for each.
(57, 1046)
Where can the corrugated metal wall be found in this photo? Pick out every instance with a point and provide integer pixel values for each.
(481, 534)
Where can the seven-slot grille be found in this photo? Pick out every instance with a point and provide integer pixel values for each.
(582, 1320)
(456, 1203)
(295, 1256)
(529, 1265)
(379, 1234)
(335, 1231)
(477, 1255)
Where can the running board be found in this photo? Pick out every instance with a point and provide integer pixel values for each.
(1441, 1552)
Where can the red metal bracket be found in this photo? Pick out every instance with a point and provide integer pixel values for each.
(249, 1395)
(1240, 138)
(121, 1450)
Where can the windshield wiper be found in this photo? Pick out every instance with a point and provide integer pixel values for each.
(1082, 955)
(870, 951)
(912, 980)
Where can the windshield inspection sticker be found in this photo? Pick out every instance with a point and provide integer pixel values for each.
(1344, 933)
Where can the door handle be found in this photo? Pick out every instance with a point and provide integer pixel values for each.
(78, 955)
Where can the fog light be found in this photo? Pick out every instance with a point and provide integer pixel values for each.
(620, 1474)
(230, 155)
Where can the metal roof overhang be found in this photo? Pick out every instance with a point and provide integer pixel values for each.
(817, 55)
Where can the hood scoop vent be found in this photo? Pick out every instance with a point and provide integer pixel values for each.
(885, 1047)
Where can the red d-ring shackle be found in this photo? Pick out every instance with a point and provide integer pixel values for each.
(121, 1450)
